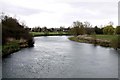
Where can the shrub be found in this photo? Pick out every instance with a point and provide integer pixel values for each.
(108, 29)
(117, 30)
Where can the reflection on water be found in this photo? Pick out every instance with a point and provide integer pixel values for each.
(58, 57)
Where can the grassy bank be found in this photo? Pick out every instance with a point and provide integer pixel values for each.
(104, 37)
(48, 33)
(102, 40)
(10, 48)
(13, 46)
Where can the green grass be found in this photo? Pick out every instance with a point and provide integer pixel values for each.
(10, 48)
(36, 33)
(114, 40)
(48, 33)
(105, 37)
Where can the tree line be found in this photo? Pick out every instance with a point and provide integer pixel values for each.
(80, 28)
(45, 29)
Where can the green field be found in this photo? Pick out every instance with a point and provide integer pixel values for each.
(105, 37)
(48, 33)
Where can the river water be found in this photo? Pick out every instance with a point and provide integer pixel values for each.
(58, 57)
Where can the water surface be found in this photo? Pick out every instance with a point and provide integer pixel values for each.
(58, 57)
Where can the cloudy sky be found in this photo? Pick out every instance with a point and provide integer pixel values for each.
(55, 13)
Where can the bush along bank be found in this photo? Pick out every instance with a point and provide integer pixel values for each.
(14, 36)
(93, 40)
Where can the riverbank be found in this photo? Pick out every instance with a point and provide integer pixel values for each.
(13, 46)
(34, 34)
(102, 40)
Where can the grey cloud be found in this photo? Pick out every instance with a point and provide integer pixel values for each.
(105, 9)
(8, 8)
(92, 4)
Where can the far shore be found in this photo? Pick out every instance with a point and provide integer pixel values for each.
(35, 34)
(102, 40)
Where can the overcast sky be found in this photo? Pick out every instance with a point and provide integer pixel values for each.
(55, 13)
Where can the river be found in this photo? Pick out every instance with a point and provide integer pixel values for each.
(58, 57)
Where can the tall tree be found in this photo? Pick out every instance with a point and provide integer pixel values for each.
(88, 28)
(108, 29)
(98, 30)
(78, 28)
